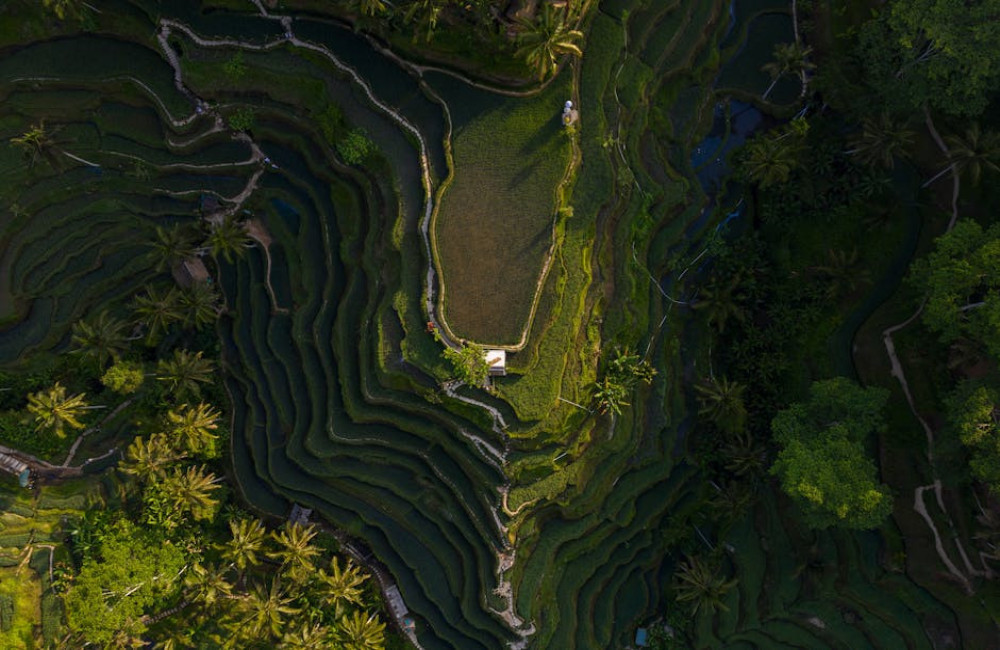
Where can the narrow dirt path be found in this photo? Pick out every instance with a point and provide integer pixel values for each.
(898, 372)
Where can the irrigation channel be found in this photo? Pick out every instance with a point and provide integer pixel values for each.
(509, 518)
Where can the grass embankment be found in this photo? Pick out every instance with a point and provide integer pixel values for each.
(493, 229)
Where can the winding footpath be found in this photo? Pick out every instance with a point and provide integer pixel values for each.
(919, 504)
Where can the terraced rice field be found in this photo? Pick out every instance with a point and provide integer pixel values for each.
(556, 528)
(494, 228)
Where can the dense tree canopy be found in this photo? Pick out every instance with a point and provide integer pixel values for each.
(974, 414)
(961, 285)
(939, 53)
(823, 465)
(131, 573)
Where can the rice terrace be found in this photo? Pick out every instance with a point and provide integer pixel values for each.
(555, 324)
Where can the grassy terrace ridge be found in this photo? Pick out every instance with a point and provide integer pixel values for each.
(492, 233)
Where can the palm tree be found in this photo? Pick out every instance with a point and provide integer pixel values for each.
(721, 300)
(768, 160)
(611, 395)
(191, 490)
(975, 152)
(185, 372)
(361, 631)
(102, 338)
(700, 585)
(745, 456)
(842, 272)
(881, 141)
(158, 311)
(545, 39)
(37, 142)
(247, 541)
(64, 8)
(193, 425)
(172, 246)
(296, 549)
(372, 8)
(54, 411)
(308, 636)
(722, 402)
(228, 238)
(789, 58)
(425, 14)
(201, 305)
(264, 611)
(149, 457)
(207, 585)
(341, 586)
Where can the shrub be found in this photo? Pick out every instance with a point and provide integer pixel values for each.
(242, 119)
(235, 68)
(124, 377)
(355, 147)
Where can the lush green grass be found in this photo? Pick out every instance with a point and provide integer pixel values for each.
(493, 229)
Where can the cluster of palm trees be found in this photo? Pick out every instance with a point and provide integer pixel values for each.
(274, 589)
(541, 38)
(623, 374)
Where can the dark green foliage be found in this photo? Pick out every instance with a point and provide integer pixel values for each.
(6, 612)
(823, 464)
(959, 280)
(468, 363)
(129, 574)
(974, 415)
(936, 53)
(242, 119)
(235, 68)
(622, 375)
(355, 147)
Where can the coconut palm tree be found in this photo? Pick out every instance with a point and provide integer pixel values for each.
(699, 584)
(185, 372)
(372, 8)
(610, 395)
(722, 402)
(745, 456)
(54, 411)
(191, 489)
(768, 160)
(789, 58)
(296, 550)
(171, 246)
(102, 338)
(545, 39)
(247, 541)
(881, 141)
(37, 142)
(207, 584)
(228, 238)
(64, 8)
(193, 425)
(361, 631)
(975, 152)
(721, 300)
(308, 636)
(157, 310)
(423, 15)
(264, 612)
(200, 303)
(842, 271)
(149, 458)
(341, 586)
